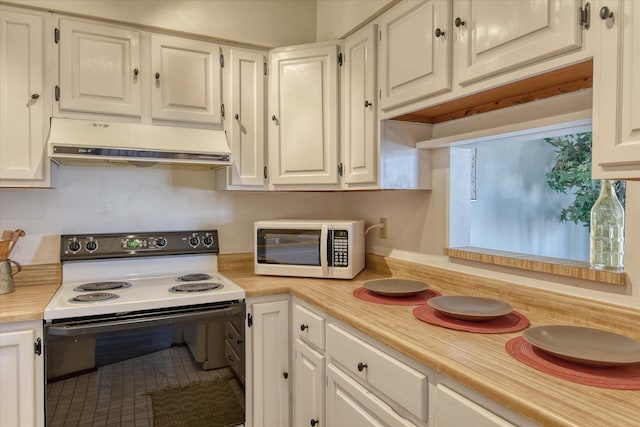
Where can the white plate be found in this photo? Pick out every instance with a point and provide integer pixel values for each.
(583, 345)
(395, 288)
(475, 309)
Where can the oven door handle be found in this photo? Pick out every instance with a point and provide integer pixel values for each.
(119, 325)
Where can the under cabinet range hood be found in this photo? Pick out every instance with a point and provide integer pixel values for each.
(78, 141)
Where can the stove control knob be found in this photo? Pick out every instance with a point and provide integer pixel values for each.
(91, 245)
(161, 242)
(74, 246)
(208, 241)
(194, 241)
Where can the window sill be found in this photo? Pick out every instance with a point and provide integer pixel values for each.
(556, 266)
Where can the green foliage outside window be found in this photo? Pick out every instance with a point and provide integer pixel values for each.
(572, 173)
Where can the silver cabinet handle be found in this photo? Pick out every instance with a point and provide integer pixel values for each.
(605, 13)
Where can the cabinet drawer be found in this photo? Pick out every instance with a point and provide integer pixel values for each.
(233, 337)
(350, 404)
(401, 383)
(453, 409)
(308, 326)
(235, 361)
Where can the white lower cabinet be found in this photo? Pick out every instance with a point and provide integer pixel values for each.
(344, 378)
(308, 385)
(400, 385)
(350, 404)
(21, 375)
(267, 369)
(455, 405)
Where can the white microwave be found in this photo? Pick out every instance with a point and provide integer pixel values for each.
(309, 248)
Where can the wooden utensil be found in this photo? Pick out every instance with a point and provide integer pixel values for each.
(4, 250)
(14, 239)
(7, 235)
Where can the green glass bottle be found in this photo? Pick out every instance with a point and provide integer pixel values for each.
(607, 230)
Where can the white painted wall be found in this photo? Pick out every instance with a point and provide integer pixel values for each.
(267, 23)
(335, 18)
(122, 199)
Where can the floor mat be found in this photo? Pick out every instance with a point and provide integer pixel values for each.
(210, 403)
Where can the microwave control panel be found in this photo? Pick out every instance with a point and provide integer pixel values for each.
(340, 240)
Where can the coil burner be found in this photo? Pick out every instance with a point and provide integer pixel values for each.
(101, 286)
(194, 277)
(195, 287)
(94, 297)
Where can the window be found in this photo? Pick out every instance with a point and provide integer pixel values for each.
(502, 198)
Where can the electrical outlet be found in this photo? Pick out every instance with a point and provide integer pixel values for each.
(384, 228)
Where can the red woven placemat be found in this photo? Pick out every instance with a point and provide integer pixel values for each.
(418, 299)
(512, 322)
(625, 377)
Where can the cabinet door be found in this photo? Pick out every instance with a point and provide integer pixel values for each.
(414, 62)
(23, 129)
(303, 110)
(246, 118)
(186, 80)
(99, 69)
(454, 410)
(349, 404)
(616, 93)
(22, 385)
(499, 35)
(268, 369)
(359, 127)
(308, 385)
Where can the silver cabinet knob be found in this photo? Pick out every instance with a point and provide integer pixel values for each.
(605, 13)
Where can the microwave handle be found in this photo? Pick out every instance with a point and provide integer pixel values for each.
(324, 238)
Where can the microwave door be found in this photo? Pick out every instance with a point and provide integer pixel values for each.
(324, 257)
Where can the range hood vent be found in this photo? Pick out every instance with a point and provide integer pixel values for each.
(72, 140)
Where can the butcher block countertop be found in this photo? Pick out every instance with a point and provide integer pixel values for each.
(34, 287)
(478, 361)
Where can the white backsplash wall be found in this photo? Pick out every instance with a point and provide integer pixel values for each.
(123, 198)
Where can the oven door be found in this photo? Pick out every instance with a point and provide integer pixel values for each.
(108, 368)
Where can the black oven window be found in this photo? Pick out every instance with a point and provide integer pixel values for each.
(288, 247)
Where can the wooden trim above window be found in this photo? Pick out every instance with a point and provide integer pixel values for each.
(541, 264)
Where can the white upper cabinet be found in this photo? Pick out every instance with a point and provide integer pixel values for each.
(616, 92)
(415, 52)
(24, 99)
(244, 118)
(494, 36)
(186, 80)
(303, 115)
(99, 69)
(359, 126)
